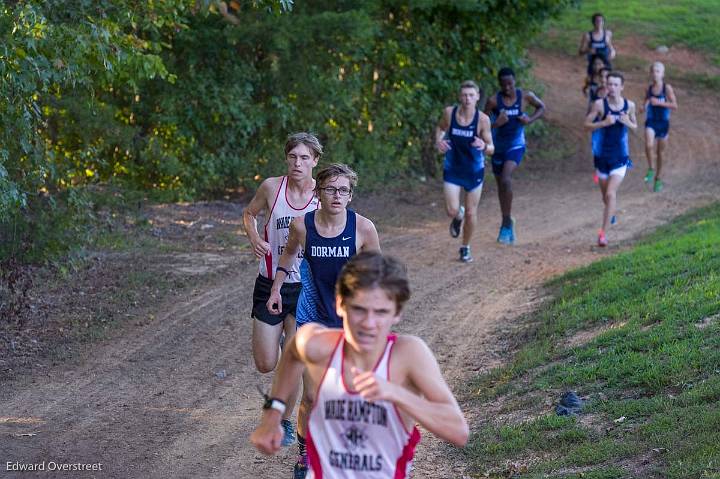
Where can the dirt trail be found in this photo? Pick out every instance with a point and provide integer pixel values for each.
(177, 398)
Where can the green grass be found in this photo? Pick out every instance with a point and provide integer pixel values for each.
(692, 23)
(655, 360)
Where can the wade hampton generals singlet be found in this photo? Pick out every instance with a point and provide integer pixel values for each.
(277, 229)
(351, 438)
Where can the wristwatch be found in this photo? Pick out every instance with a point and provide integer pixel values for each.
(274, 403)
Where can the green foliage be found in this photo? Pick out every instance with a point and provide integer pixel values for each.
(170, 96)
(653, 360)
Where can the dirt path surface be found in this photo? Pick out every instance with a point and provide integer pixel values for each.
(176, 397)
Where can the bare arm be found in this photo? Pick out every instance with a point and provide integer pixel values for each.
(483, 139)
(296, 239)
(670, 99)
(441, 143)
(629, 119)
(608, 40)
(369, 240)
(539, 106)
(434, 406)
(312, 343)
(250, 213)
(584, 44)
(596, 111)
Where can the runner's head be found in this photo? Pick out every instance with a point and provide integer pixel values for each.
(469, 93)
(614, 83)
(302, 153)
(657, 72)
(506, 79)
(370, 294)
(334, 186)
(598, 21)
(597, 62)
(603, 75)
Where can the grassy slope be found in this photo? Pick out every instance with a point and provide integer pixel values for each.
(693, 23)
(654, 358)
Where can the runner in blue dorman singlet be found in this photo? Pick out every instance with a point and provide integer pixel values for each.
(326, 257)
(464, 164)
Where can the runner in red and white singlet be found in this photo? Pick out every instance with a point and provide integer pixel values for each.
(372, 386)
(352, 438)
(276, 232)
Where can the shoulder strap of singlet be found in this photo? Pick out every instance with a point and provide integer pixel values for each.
(350, 223)
(309, 221)
(518, 94)
(606, 107)
(453, 118)
(626, 105)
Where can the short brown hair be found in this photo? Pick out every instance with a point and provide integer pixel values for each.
(374, 270)
(335, 170)
(617, 75)
(304, 138)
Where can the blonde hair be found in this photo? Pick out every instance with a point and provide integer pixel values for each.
(660, 64)
(470, 84)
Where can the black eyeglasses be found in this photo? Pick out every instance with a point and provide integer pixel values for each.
(331, 190)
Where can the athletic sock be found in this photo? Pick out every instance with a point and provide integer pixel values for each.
(507, 221)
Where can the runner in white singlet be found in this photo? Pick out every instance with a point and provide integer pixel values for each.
(372, 387)
(282, 198)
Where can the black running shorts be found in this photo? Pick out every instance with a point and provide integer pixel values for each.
(289, 292)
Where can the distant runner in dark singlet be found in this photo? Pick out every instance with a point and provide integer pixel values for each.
(609, 120)
(463, 135)
(659, 100)
(597, 41)
(507, 110)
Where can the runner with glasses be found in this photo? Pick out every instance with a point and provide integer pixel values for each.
(328, 238)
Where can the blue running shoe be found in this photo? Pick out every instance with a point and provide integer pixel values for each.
(289, 433)
(506, 235)
(512, 231)
(613, 219)
(300, 470)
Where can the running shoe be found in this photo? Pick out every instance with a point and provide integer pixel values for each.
(512, 230)
(465, 255)
(602, 240)
(506, 235)
(658, 186)
(649, 175)
(456, 223)
(288, 432)
(596, 178)
(613, 219)
(300, 470)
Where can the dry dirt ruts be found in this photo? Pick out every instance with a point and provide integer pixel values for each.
(177, 397)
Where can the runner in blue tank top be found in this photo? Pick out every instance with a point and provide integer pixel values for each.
(329, 236)
(659, 100)
(463, 136)
(609, 120)
(507, 110)
(597, 41)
